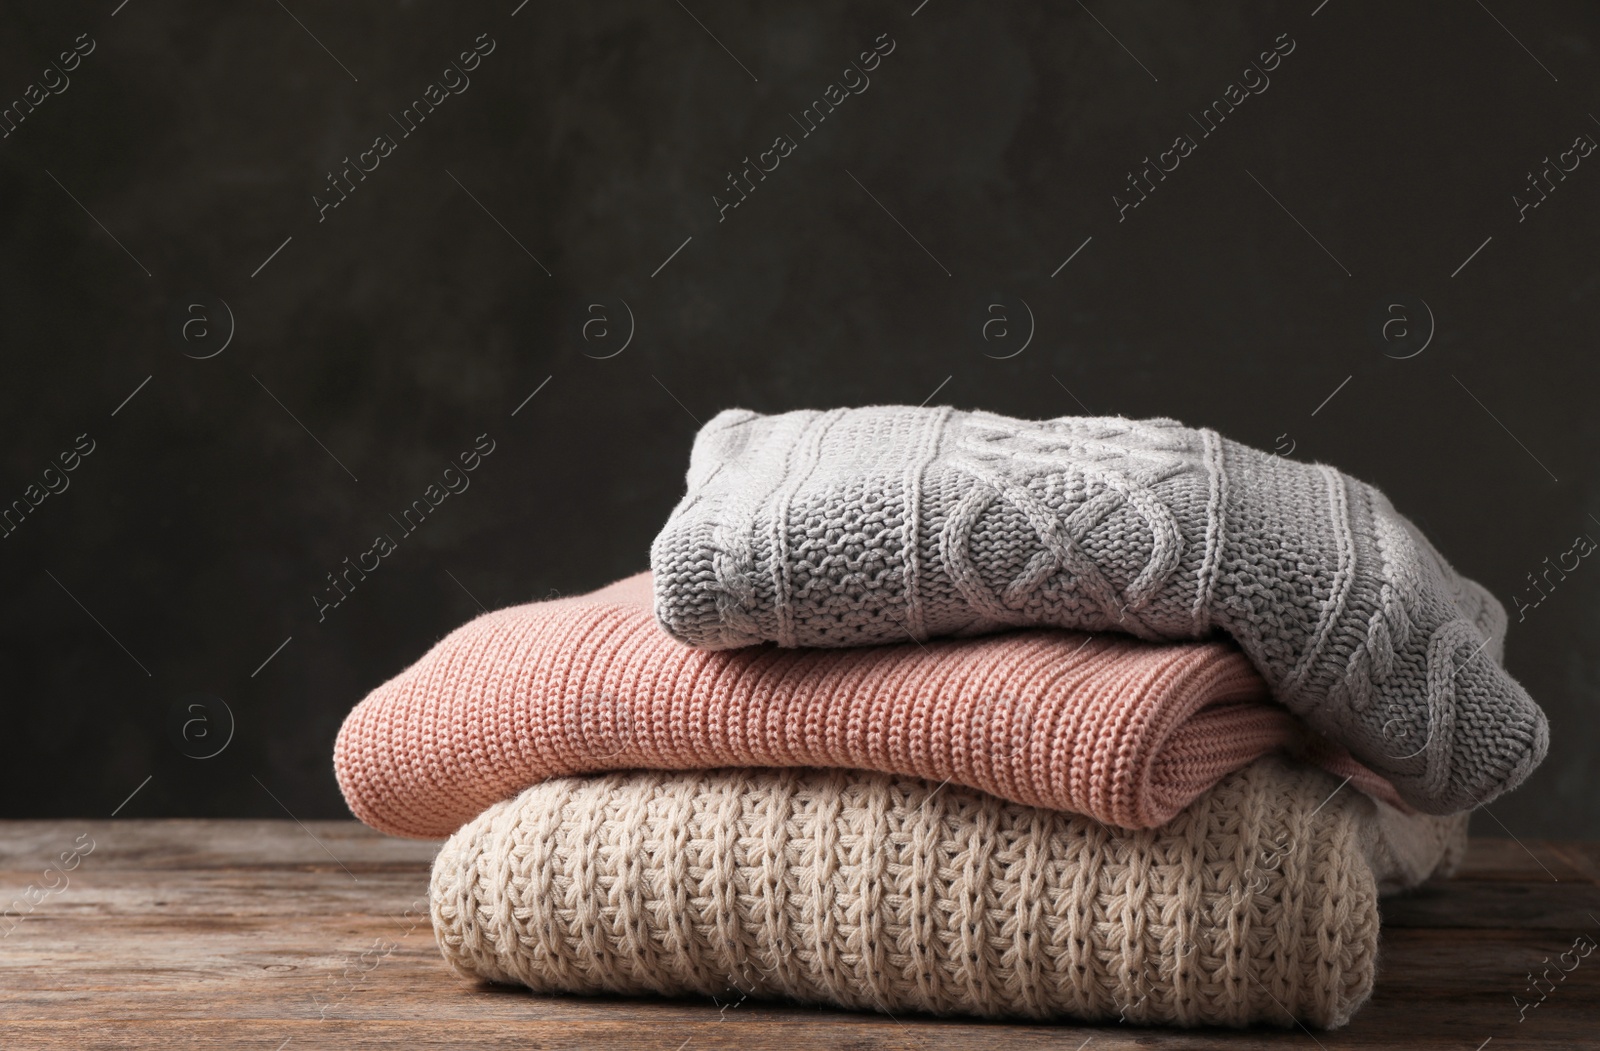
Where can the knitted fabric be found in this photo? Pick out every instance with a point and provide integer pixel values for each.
(1127, 731)
(1256, 904)
(862, 526)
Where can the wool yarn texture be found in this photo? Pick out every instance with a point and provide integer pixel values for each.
(1128, 732)
(862, 526)
(1257, 904)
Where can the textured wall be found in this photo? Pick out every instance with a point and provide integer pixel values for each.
(340, 356)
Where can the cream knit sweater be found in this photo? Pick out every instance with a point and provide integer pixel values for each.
(1258, 903)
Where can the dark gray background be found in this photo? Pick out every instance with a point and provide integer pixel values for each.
(408, 322)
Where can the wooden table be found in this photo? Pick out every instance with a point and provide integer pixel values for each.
(251, 934)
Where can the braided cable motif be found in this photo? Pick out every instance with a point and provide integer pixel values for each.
(1452, 639)
(1216, 501)
(1392, 623)
(733, 563)
(911, 488)
(809, 449)
(1332, 610)
(1003, 456)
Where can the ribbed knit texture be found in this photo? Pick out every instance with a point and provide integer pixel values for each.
(1258, 903)
(1126, 731)
(862, 526)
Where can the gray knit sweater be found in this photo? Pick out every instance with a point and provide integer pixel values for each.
(893, 524)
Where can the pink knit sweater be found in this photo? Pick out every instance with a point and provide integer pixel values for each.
(1124, 731)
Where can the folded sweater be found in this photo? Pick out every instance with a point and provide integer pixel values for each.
(1125, 731)
(1257, 904)
(869, 525)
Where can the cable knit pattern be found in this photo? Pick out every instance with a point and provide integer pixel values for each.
(863, 526)
(1256, 904)
(1125, 731)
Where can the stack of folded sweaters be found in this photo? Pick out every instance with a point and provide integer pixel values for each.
(928, 710)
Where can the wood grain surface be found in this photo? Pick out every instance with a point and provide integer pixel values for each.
(281, 936)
